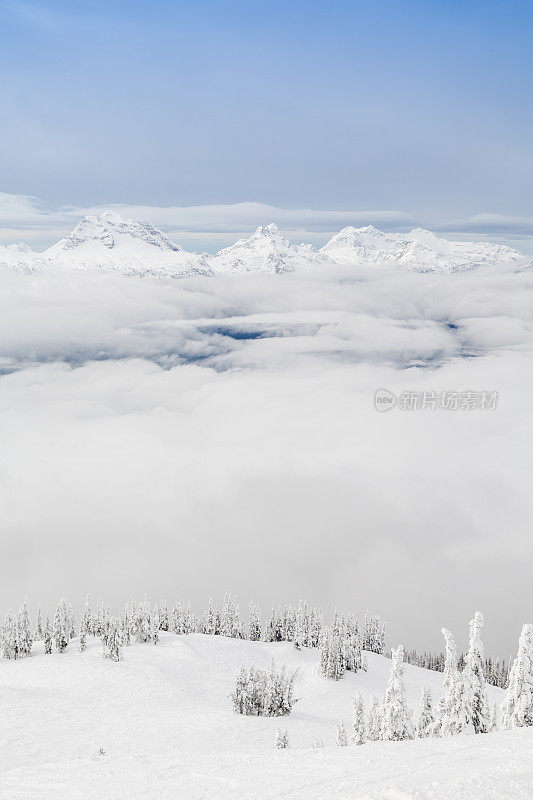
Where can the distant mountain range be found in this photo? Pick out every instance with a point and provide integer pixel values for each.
(112, 242)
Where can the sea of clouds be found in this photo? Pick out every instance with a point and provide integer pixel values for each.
(183, 437)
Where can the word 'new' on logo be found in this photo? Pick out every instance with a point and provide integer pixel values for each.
(384, 400)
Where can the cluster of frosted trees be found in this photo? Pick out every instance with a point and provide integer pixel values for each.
(341, 645)
(263, 692)
(142, 622)
(464, 705)
(496, 670)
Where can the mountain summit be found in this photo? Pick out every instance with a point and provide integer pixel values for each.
(419, 250)
(266, 250)
(112, 242)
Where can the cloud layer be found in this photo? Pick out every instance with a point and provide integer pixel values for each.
(182, 437)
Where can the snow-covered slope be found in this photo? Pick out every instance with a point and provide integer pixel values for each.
(267, 250)
(113, 242)
(166, 724)
(19, 258)
(419, 250)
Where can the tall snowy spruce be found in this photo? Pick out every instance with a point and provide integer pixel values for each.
(396, 722)
(517, 708)
(87, 624)
(47, 635)
(38, 632)
(10, 639)
(451, 715)
(373, 634)
(63, 621)
(477, 705)
(358, 725)
(254, 622)
(426, 720)
(24, 631)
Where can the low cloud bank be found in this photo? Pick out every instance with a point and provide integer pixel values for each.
(183, 437)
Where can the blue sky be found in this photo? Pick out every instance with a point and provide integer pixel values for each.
(424, 108)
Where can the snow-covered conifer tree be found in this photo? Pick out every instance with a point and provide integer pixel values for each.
(254, 622)
(10, 640)
(87, 624)
(38, 632)
(478, 710)
(451, 716)
(342, 734)
(163, 616)
(47, 635)
(24, 632)
(83, 638)
(209, 620)
(517, 708)
(318, 742)
(396, 718)
(282, 738)
(373, 634)
(112, 644)
(61, 628)
(374, 719)
(332, 656)
(230, 619)
(358, 725)
(426, 720)
(493, 723)
(124, 626)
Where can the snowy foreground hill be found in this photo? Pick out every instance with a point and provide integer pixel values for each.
(160, 725)
(111, 242)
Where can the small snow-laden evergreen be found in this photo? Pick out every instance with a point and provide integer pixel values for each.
(425, 722)
(111, 640)
(266, 693)
(374, 719)
(517, 708)
(396, 722)
(282, 738)
(342, 734)
(358, 724)
(477, 704)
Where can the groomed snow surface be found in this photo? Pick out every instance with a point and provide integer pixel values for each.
(166, 726)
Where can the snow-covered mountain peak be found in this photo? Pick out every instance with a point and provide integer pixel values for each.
(419, 250)
(110, 230)
(110, 241)
(266, 250)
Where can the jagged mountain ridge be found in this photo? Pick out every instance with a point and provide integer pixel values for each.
(267, 250)
(112, 242)
(419, 250)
